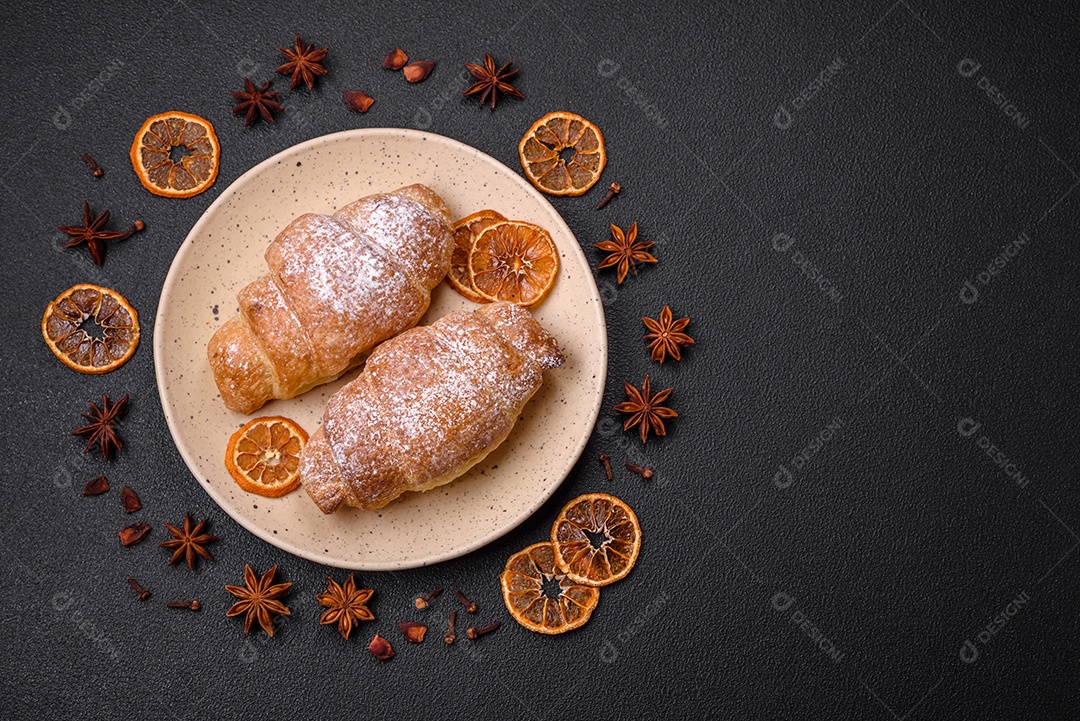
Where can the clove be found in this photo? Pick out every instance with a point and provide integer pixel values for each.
(95, 169)
(613, 190)
(143, 593)
(449, 637)
(645, 473)
(475, 633)
(470, 607)
(605, 461)
(424, 601)
(187, 605)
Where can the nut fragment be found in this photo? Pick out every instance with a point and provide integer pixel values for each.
(418, 70)
(358, 101)
(413, 631)
(129, 499)
(380, 648)
(134, 533)
(395, 59)
(96, 487)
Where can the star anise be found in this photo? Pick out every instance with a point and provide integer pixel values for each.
(346, 605)
(303, 63)
(490, 82)
(646, 410)
(259, 600)
(100, 429)
(625, 251)
(257, 102)
(93, 233)
(188, 542)
(666, 335)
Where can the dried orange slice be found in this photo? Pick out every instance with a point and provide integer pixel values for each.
(264, 455)
(530, 576)
(176, 154)
(596, 539)
(513, 261)
(466, 231)
(62, 328)
(541, 154)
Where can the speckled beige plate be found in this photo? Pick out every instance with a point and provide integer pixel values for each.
(224, 252)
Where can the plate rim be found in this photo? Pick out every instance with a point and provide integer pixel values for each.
(276, 541)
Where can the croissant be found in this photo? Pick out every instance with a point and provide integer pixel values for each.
(429, 405)
(337, 286)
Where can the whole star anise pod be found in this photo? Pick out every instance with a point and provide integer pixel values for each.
(490, 82)
(189, 542)
(666, 335)
(259, 600)
(93, 233)
(303, 63)
(100, 428)
(625, 251)
(346, 605)
(257, 102)
(646, 410)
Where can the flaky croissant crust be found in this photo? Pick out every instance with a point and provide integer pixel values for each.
(429, 405)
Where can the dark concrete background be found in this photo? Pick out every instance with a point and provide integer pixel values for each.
(870, 216)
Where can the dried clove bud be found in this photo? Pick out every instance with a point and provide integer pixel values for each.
(129, 500)
(418, 70)
(450, 636)
(413, 631)
(645, 473)
(605, 461)
(475, 633)
(188, 605)
(380, 648)
(134, 533)
(95, 169)
(96, 487)
(358, 101)
(395, 59)
(470, 607)
(424, 601)
(613, 190)
(143, 593)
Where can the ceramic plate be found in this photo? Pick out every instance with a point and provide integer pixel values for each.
(224, 252)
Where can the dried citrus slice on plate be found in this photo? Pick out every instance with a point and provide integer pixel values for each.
(466, 231)
(263, 457)
(176, 154)
(540, 596)
(62, 326)
(542, 149)
(596, 539)
(514, 261)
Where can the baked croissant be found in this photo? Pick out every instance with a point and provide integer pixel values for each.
(429, 405)
(337, 286)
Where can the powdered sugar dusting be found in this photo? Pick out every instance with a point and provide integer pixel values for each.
(394, 222)
(428, 405)
(349, 281)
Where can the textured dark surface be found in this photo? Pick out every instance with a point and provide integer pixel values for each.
(821, 246)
